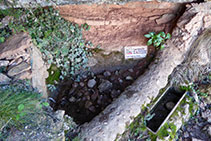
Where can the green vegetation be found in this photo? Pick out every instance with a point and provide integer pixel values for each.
(157, 40)
(60, 41)
(18, 105)
(192, 87)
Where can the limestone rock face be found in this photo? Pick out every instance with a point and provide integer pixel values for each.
(4, 79)
(14, 45)
(190, 43)
(39, 71)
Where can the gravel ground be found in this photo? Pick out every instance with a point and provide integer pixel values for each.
(199, 126)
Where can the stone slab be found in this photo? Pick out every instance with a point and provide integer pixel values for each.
(14, 45)
(4, 79)
(18, 69)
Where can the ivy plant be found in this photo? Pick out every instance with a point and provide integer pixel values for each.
(60, 41)
(157, 40)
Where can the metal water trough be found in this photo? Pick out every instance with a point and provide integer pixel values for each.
(164, 108)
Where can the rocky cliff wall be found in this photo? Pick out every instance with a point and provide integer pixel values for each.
(29, 3)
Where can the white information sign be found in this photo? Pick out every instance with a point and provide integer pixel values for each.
(135, 52)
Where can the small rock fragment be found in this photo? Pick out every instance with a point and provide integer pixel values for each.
(88, 104)
(92, 62)
(206, 114)
(129, 78)
(94, 96)
(120, 80)
(105, 85)
(130, 70)
(18, 69)
(79, 94)
(107, 74)
(4, 79)
(116, 73)
(71, 91)
(16, 61)
(115, 93)
(92, 109)
(195, 139)
(72, 99)
(91, 83)
(186, 134)
(75, 85)
(4, 63)
(165, 18)
(88, 97)
(170, 105)
(209, 130)
(24, 75)
(81, 84)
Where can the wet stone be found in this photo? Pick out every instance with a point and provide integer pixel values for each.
(88, 104)
(94, 96)
(92, 109)
(116, 73)
(72, 99)
(129, 78)
(86, 93)
(100, 99)
(81, 84)
(75, 85)
(170, 105)
(71, 91)
(63, 102)
(107, 74)
(120, 80)
(83, 99)
(4, 63)
(105, 85)
(115, 93)
(91, 83)
(88, 97)
(206, 114)
(79, 94)
(130, 70)
(112, 78)
(186, 135)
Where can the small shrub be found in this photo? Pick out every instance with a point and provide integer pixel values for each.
(157, 40)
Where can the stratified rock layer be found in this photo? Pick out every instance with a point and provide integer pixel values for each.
(115, 26)
(30, 3)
